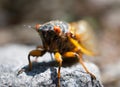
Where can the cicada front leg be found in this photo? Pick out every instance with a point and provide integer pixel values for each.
(33, 53)
(58, 58)
(38, 48)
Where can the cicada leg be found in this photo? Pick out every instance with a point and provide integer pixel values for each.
(38, 48)
(78, 49)
(79, 56)
(58, 58)
(82, 63)
(34, 53)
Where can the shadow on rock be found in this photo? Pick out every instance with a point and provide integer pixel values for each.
(41, 67)
(45, 74)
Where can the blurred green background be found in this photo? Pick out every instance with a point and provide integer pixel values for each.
(103, 15)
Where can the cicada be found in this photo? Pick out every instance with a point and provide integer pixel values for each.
(64, 40)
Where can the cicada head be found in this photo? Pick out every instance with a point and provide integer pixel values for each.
(56, 26)
(52, 30)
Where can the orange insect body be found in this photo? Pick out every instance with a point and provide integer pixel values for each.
(65, 41)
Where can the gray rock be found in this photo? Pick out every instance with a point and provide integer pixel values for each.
(44, 73)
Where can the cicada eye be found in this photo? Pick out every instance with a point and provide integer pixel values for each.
(37, 26)
(57, 29)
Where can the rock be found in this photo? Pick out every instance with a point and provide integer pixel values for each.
(44, 73)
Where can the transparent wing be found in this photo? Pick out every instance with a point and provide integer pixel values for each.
(85, 35)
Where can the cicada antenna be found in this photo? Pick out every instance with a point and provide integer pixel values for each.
(29, 26)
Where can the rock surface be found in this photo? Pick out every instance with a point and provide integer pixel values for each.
(44, 73)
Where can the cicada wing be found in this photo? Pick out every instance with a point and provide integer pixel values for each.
(85, 35)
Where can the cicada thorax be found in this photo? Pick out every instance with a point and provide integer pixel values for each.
(57, 43)
(84, 34)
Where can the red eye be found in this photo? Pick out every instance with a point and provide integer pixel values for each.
(57, 29)
(37, 26)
